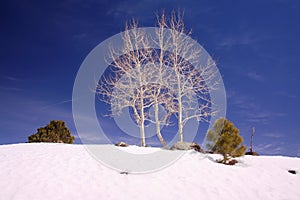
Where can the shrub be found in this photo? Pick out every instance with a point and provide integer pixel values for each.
(224, 138)
(55, 131)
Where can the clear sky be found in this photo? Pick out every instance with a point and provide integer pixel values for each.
(255, 43)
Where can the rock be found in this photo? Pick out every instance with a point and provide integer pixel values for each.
(292, 171)
(121, 144)
(187, 146)
(197, 147)
(252, 153)
(211, 152)
(232, 162)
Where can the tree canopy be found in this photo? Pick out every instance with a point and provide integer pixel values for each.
(224, 138)
(56, 131)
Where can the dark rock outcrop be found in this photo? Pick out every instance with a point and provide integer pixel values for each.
(121, 144)
(292, 171)
(252, 153)
(232, 162)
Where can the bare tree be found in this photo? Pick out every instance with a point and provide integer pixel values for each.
(123, 86)
(156, 94)
(251, 140)
(190, 81)
(138, 79)
(159, 92)
(173, 78)
(161, 98)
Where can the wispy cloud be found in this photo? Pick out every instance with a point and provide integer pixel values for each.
(126, 10)
(286, 94)
(250, 111)
(58, 103)
(260, 116)
(255, 76)
(273, 135)
(92, 138)
(229, 41)
(14, 89)
(269, 149)
(243, 102)
(277, 148)
(11, 78)
(8, 83)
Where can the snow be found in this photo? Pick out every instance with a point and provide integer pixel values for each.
(62, 171)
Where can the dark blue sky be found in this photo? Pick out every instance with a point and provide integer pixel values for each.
(256, 45)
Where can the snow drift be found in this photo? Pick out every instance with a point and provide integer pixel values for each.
(61, 171)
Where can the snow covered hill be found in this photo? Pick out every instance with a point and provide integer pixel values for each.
(61, 171)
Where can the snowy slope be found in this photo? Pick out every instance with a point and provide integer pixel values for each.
(61, 171)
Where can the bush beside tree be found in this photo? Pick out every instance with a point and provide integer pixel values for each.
(56, 132)
(224, 138)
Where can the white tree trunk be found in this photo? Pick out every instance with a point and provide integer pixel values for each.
(180, 122)
(142, 125)
(157, 120)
